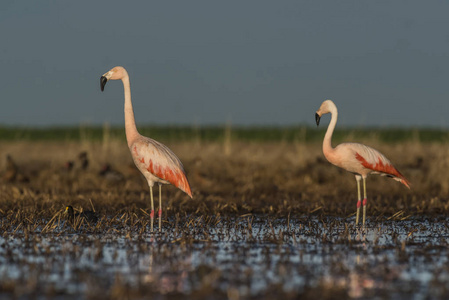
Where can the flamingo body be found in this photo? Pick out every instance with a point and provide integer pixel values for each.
(159, 164)
(356, 158)
(363, 160)
(153, 159)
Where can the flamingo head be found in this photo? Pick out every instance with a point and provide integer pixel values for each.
(115, 73)
(326, 107)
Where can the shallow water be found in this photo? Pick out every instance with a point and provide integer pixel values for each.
(249, 256)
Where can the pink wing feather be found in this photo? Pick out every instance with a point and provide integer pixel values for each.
(160, 161)
(377, 162)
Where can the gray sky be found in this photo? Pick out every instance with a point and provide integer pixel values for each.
(384, 63)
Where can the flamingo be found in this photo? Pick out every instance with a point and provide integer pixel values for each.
(356, 158)
(155, 161)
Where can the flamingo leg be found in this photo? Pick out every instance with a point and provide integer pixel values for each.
(364, 200)
(359, 201)
(160, 207)
(152, 208)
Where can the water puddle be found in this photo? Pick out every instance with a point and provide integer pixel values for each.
(250, 256)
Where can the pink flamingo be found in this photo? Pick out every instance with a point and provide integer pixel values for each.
(156, 162)
(356, 158)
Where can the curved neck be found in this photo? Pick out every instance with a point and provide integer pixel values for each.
(130, 123)
(327, 142)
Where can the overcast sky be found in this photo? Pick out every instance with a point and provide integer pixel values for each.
(384, 63)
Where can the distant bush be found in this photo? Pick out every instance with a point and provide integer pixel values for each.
(218, 133)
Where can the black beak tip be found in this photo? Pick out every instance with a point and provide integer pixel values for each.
(317, 119)
(103, 81)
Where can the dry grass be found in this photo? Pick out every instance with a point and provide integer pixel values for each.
(266, 178)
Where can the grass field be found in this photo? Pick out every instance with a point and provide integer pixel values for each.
(270, 218)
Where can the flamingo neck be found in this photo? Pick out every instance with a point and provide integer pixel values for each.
(327, 142)
(130, 123)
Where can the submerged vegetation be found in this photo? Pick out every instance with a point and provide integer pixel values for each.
(270, 218)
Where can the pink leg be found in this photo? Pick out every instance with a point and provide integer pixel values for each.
(364, 201)
(359, 204)
(364, 210)
(160, 216)
(359, 201)
(152, 219)
(152, 208)
(160, 208)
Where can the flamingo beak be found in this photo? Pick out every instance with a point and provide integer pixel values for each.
(103, 81)
(317, 119)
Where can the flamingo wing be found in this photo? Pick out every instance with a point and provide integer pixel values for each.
(159, 160)
(374, 160)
